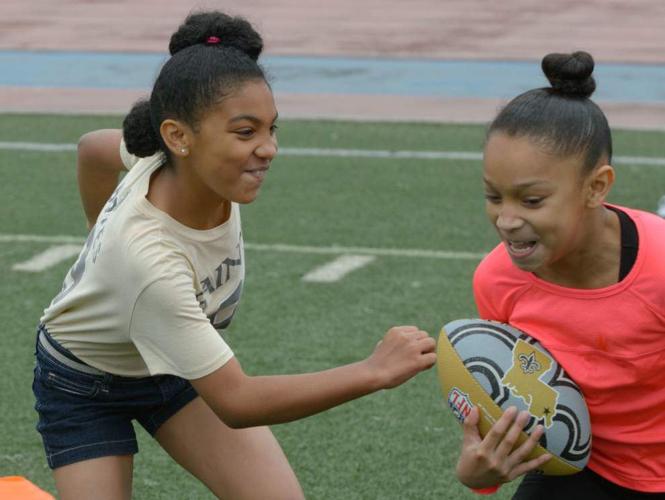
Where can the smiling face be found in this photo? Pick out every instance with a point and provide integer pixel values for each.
(233, 145)
(537, 202)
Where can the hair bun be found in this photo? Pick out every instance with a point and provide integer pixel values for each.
(570, 74)
(137, 130)
(234, 32)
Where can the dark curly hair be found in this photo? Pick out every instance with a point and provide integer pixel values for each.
(211, 55)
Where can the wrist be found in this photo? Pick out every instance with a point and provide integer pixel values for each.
(373, 377)
(467, 474)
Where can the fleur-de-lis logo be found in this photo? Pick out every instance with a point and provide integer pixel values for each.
(523, 380)
(528, 363)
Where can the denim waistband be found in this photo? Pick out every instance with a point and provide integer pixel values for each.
(61, 354)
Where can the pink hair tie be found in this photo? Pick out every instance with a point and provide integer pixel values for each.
(213, 40)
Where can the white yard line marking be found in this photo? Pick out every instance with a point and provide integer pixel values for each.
(343, 153)
(378, 252)
(48, 258)
(37, 146)
(378, 153)
(336, 269)
(277, 247)
(640, 160)
(37, 238)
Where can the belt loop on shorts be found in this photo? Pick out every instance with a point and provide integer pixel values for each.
(45, 342)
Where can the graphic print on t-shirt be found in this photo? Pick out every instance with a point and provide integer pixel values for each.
(92, 242)
(221, 313)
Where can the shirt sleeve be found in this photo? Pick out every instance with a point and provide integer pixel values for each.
(485, 290)
(483, 304)
(172, 333)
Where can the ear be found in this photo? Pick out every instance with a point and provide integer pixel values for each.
(177, 136)
(598, 185)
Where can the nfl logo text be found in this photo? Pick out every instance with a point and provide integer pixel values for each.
(459, 403)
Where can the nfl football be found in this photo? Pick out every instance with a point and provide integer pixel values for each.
(494, 366)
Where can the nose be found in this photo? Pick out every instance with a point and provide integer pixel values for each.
(267, 149)
(508, 223)
(508, 220)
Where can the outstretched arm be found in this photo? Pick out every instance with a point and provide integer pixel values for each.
(244, 401)
(98, 168)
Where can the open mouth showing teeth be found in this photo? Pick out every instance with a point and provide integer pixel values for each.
(258, 174)
(521, 247)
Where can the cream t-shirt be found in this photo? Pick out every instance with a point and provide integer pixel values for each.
(147, 293)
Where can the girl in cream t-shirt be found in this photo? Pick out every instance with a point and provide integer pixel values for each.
(132, 335)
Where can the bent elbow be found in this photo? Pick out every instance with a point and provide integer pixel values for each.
(236, 424)
(84, 144)
(233, 419)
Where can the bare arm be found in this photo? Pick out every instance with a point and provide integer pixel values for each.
(245, 401)
(98, 168)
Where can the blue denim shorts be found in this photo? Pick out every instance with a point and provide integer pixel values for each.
(85, 413)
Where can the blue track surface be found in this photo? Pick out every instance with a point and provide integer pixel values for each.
(334, 75)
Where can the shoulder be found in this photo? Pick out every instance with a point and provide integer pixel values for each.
(646, 219)
(649, 277)
(497, 284)
(494, 267)
(153, 254)
(651, 239)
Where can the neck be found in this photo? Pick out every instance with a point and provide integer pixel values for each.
(596, 259)
(192, 204)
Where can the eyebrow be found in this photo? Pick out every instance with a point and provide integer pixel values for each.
(251, 118)
(521, 185)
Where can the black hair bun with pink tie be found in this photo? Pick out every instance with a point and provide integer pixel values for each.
(217, 29)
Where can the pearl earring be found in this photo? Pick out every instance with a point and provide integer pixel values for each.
(183, 150)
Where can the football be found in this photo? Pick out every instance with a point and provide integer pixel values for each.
(494, 366)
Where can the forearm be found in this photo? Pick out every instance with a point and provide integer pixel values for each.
(243, 401)
(267, 400)
(283, 398)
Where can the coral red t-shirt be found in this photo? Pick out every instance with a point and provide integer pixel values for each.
(610, 340)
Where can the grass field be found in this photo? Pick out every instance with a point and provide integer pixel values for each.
(398, 444)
